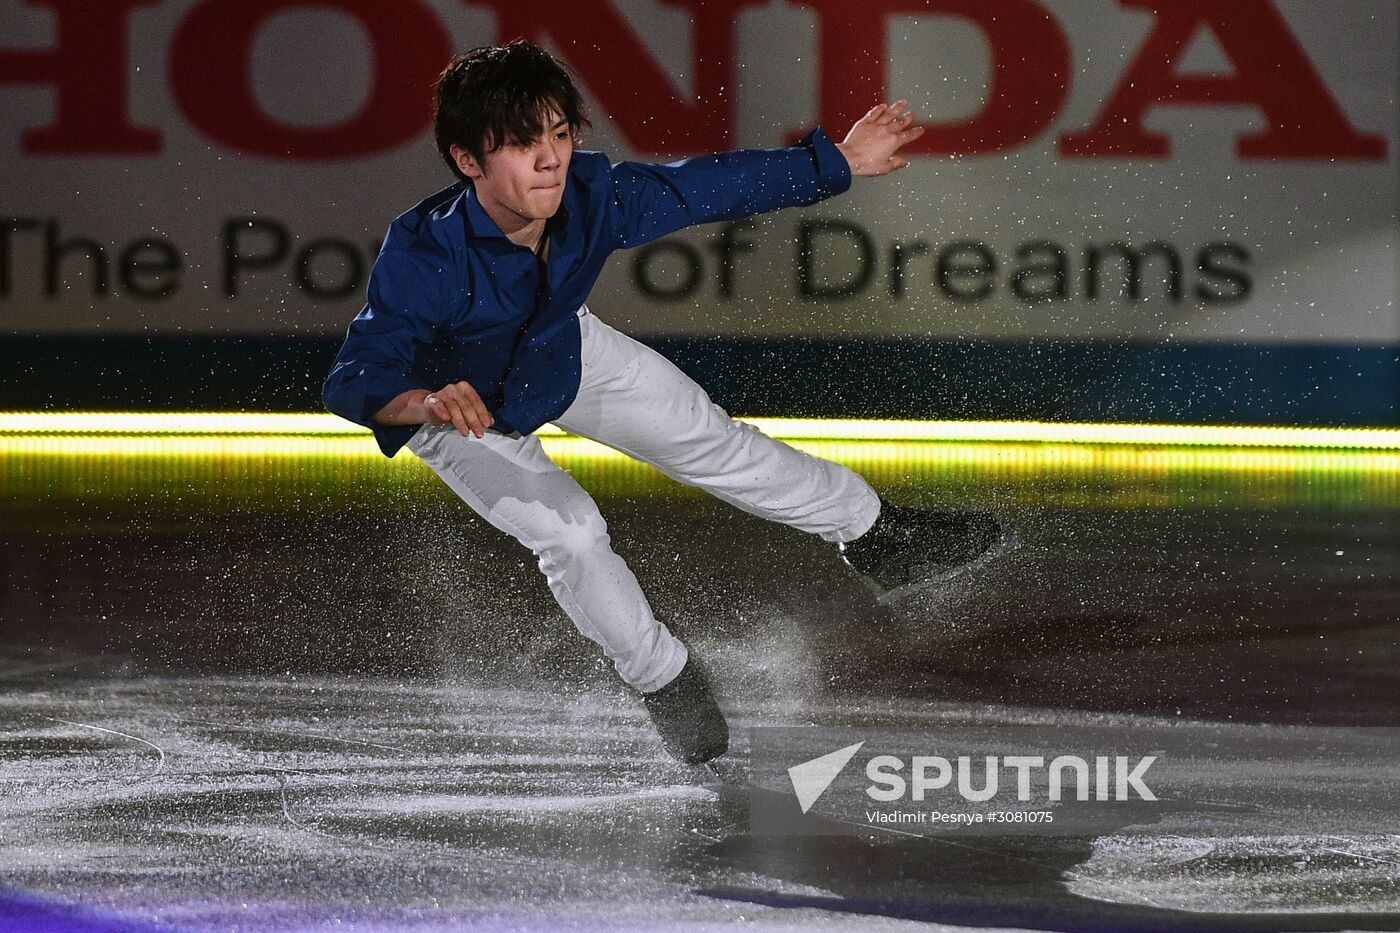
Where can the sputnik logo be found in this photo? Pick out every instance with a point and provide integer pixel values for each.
(811, 778)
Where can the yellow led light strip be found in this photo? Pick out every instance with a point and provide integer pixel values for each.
(299, 448)
(309, 425)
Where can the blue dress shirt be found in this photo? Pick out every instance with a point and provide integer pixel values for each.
(451, 299)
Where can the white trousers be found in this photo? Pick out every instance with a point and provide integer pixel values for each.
(634, 400)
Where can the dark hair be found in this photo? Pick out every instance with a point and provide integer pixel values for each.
(499, 94)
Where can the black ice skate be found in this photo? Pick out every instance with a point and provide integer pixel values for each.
(692, 728)
(907, 549)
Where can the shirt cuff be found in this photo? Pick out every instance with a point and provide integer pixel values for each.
(833, 170)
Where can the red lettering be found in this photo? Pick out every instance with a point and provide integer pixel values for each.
(631, 87)
(210, 78)
(87, 68)
(1272, 72)
(1030, 69)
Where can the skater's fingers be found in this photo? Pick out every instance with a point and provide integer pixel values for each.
(464, 408)
(437, 411)
(892, 113)
(460, 417)
(476, 404)
(454, 412)
(911, 134)
(478, 427)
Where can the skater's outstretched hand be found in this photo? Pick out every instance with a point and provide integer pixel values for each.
(872, 146)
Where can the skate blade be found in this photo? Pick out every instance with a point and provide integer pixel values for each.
(719, 774)
(1008, 542)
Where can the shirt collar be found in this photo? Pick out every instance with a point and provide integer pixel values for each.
(480, 226)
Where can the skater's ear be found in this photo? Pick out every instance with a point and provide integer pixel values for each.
(466, 163)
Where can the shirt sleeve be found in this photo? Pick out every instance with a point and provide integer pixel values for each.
(650, 201)
(404, 304)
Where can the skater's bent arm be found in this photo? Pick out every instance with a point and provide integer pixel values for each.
(373, 370)
(651, 201)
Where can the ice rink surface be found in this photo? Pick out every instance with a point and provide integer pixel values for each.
(331, 721)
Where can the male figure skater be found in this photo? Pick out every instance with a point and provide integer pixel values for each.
(476, 332)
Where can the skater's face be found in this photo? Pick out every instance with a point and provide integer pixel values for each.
(519, 184)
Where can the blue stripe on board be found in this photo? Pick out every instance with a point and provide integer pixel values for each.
(1052, 380)
(1040, 379)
